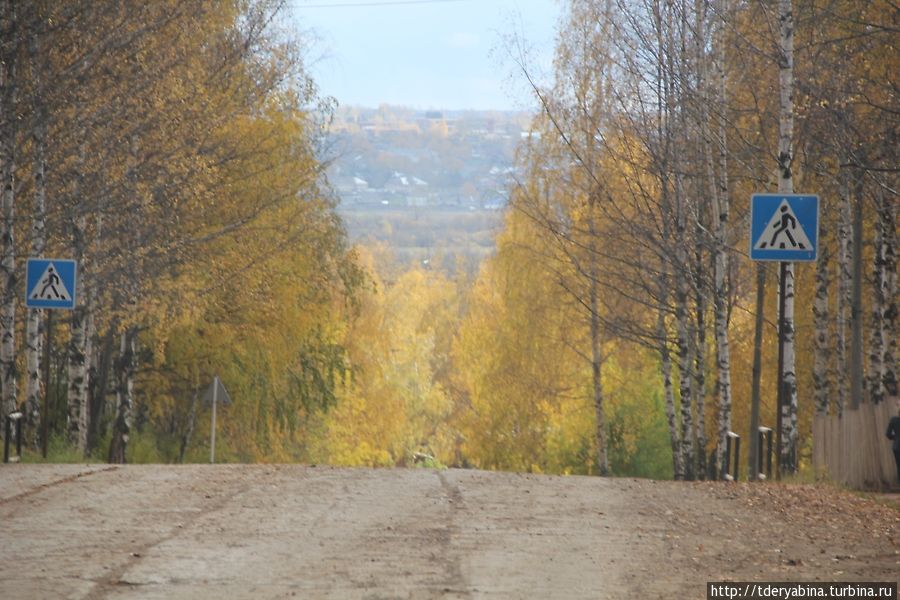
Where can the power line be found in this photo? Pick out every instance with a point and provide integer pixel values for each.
(295, 4)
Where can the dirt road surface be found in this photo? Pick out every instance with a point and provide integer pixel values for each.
(236, 532)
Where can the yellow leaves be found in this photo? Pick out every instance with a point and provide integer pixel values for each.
(364, 430)
(396, 405)
(509, 364)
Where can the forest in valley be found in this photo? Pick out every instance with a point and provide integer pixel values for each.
(174, 149)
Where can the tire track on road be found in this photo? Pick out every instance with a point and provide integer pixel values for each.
(457, 581)
(114, 580)
(50, 484)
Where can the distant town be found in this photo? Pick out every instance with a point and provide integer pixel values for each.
(424, 183)
(398, 157)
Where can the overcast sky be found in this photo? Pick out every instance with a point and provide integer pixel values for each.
(441, 54)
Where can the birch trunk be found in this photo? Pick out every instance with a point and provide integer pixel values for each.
(723, 351)
(788, 450)
(664, 109)
(76, 395)
(888, 216)
(877, 340)
(844, 296)
(99, 382)
(125, 368)
(856, 308)
(718, 192)
(596, 350)
(33, 324)
(685, 338)
(700, 360)
(821, 386)
(665, 359)
(701, 288)
(8, 118)
(98, 361)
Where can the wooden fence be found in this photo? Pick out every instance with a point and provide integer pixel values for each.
(853, 450)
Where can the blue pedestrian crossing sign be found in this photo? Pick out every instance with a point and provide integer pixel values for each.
(50, 283)
(784, 227)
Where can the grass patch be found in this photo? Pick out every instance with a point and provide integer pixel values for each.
(59, 451)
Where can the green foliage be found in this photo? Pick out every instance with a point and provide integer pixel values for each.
(59, 451)
(426, 461)
(144, 448)
(638, 438)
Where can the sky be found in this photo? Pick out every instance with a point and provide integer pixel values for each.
(426, 54)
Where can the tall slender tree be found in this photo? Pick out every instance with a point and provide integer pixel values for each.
(10, 36)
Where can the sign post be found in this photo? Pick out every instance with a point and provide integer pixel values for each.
(783, 228)
(212, 435)
(49, 284)
(211, 395)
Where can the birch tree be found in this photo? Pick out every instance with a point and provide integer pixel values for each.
(574, 112)
(33, 330)
(10, 28)
(888, 252)
(821, 322)
(788, 416)
(713, 104)
(125, 371)
(844, 294)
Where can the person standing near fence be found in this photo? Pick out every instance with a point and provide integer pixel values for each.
(893, 430)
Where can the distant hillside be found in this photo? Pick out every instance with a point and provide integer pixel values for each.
(424, 183)
(399, 157)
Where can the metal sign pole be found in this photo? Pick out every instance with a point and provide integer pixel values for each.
(212, 442)
(782, 281)
(783, 228)
(45, 422)
(50, 284)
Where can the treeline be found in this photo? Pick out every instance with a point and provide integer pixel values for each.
(453, 370)
(168, 147)
(619, 328)
(628, 235)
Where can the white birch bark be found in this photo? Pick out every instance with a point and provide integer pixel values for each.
(844, 294)
(125, 368)
(685, 337)
(882, 349)
(697, 67)
(786, 185)
(822, 348)
(685, 334)
(665, 359)
(665, 108)
(723, 351)
(700, 360)
(857, 382)
(888, 216)
(714, 96)
(8, 119)
(33, 324)
(875, 384)
(76, 395)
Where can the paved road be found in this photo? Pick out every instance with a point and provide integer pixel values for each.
(232, 532)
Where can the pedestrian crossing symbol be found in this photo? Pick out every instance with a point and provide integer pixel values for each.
(784, 227)
(50, 283)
